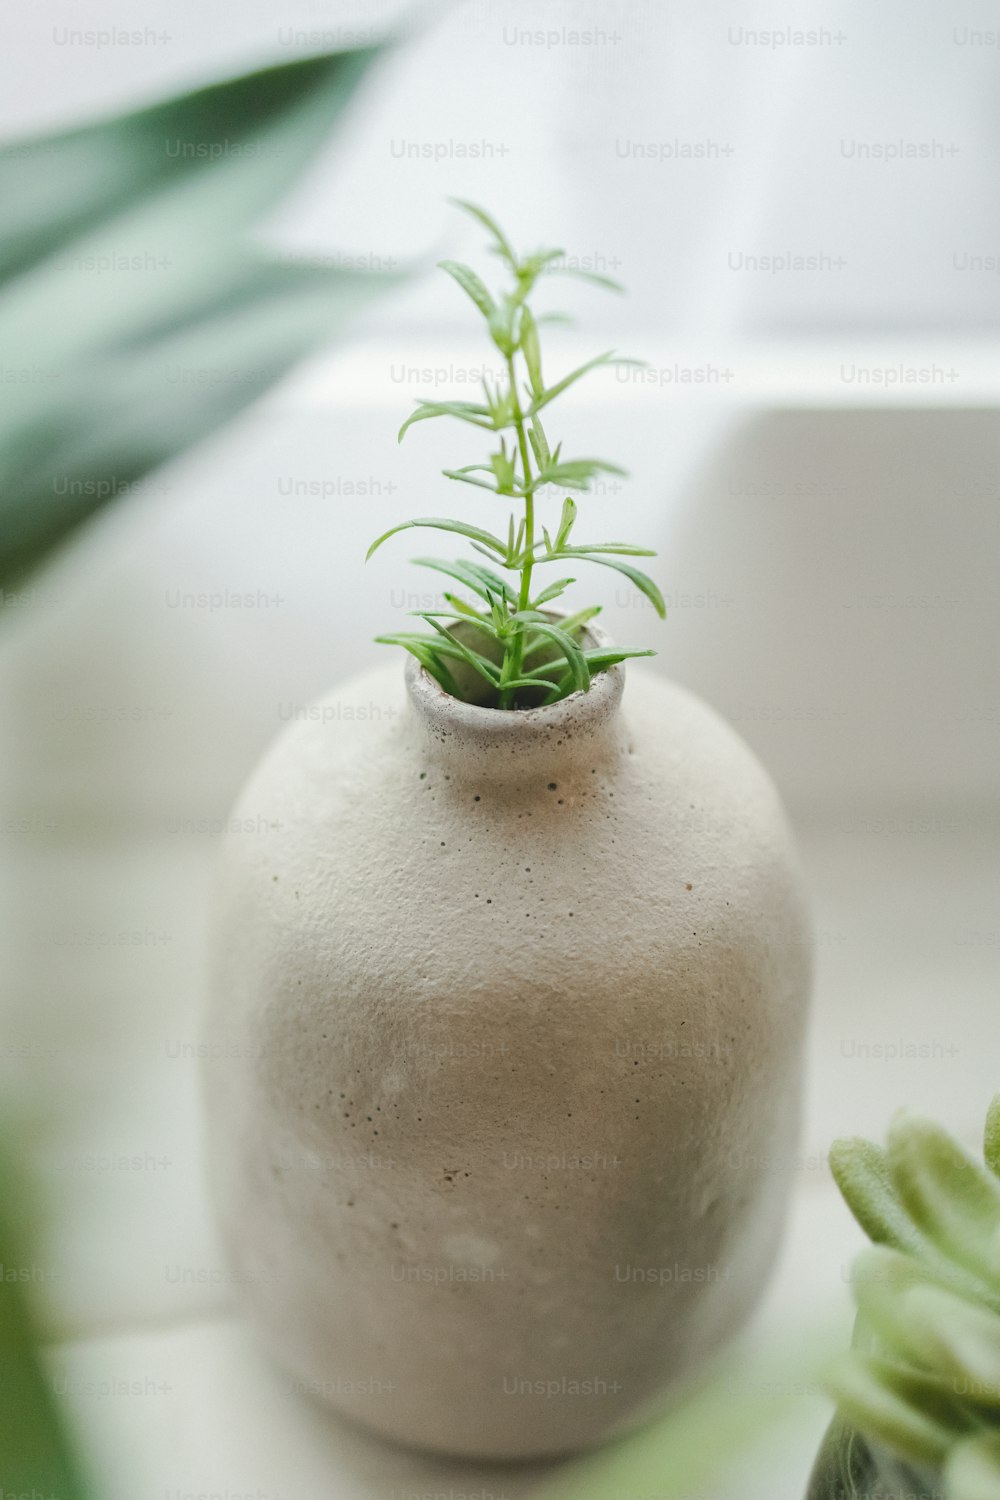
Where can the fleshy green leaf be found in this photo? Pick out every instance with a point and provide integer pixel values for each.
(991, 1137)
(887, 1402)
(861, 1171)
(952, 1199)
(960, 1339)
(972, 1468)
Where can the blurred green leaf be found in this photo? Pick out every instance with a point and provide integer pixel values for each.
(471, 285)
(991, 1137)
(951, 1198)
(684, 1452)
(136, 313)
(972, 1469)
(36, 1456)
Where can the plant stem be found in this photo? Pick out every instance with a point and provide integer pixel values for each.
(514, 652)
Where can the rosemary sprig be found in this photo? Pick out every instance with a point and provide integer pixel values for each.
(480, 650)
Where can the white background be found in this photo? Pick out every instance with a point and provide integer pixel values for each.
(829, 549)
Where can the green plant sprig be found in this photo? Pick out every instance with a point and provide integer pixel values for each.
(524, 656)
(923, 1377)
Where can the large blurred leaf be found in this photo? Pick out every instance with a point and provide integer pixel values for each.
(36, 1456)
(136, 314)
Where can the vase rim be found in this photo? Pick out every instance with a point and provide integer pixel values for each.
(585, 714)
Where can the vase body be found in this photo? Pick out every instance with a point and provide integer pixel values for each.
(504, 1055)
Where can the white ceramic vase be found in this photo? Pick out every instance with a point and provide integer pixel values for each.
(504, 1054)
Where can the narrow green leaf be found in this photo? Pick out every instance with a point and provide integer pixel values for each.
(539, 443)
(504, 324)
(616, 549)
(566, 522)
(471, 285)
(489, 223)
(474, 533)
(608, 358)
(461, 617)
(642, 581)
(465, 476)
(594, 277)
(575, 659)
(481, 580)
(484, 667)
(428, 653)
(460, 606)
(552, 592)
(580, 618)
(527, 682)
(531, 350)
(571, 473)
(504, 560)
(465, 411)
(413, 638)
(599, 658)
(503, 469)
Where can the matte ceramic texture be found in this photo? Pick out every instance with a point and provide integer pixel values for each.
(504, 1055)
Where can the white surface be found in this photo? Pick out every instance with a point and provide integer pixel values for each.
(140, 1293)
(666, 143)
(131, 720)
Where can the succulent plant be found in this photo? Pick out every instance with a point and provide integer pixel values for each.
(919, 1392)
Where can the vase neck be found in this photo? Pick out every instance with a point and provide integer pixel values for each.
(583, 733)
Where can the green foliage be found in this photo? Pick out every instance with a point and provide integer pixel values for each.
(37, 1456)
(507, 625)
(922, 1381)
(136, 313)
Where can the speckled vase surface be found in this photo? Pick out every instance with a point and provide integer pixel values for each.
(504, 1054)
